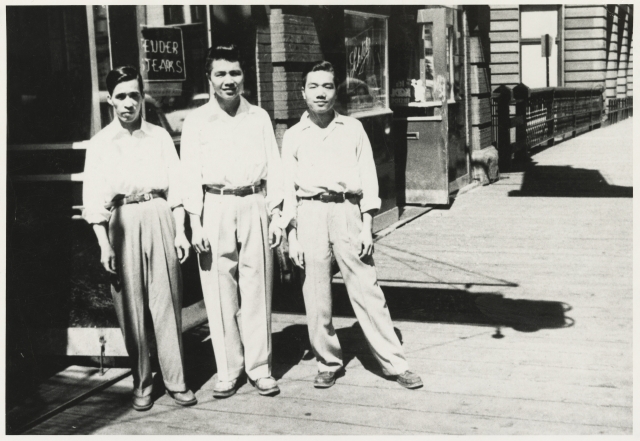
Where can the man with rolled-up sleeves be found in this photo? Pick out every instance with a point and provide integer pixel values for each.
(331, 194)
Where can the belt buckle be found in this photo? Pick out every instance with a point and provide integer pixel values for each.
(146, 197)
(325, 197)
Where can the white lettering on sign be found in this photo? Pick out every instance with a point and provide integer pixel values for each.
(159, 46)
(359, 56)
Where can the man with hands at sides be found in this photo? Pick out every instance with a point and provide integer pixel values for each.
(331, 194)
(229, 150)
(130, 190)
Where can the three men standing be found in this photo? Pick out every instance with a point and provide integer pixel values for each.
(232, 184)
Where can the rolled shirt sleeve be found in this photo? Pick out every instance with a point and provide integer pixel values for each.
(289, 164)
(367, 167)
(191, 167)
(274, 166)
(174, 170)
(95, 187)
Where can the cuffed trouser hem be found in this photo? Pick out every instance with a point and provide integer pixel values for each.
(400, 369)
(322, 367)
(231, 375)
(175, 387)
(259, 372)
(143, 392)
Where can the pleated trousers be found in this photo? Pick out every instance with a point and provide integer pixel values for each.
(333, 228)
(142, 236)
(237, 284)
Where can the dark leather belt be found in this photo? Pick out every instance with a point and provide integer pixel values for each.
(331, 196)
(121, 199)
(241, 191)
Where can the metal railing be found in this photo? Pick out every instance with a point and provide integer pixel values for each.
(619, 109)
(540, 115)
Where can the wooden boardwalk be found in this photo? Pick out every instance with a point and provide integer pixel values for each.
(515, 307)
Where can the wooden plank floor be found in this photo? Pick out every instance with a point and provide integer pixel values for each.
(515, 307)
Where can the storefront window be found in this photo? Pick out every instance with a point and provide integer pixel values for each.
(365, 87)
(172, 45)
(48, 74)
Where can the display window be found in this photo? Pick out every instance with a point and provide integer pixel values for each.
(366, 84)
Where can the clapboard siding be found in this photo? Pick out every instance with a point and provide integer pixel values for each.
(504, 14)
(585, 76)
(585, 23)
(503, 36)
(586, 65)
(505, 45)
(511, 25)
(585, 44)
(582, 34)
(505, 69)
(585, 11)
(599, 54)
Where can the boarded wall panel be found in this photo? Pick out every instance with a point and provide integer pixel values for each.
(573, 11)
(585, 44)
(585, 76)
(504, 14)
(504, 47)
(585, 65)
(503, 36)
(585, 23)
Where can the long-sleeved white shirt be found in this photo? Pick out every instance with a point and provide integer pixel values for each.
(229, 151)
(122, 163)
(337, 158)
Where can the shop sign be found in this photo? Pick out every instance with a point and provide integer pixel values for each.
(162, 54)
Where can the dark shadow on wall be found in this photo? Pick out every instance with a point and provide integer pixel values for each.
(568, 182)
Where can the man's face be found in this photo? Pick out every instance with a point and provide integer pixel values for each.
(126, 100)
(226, 79)
(320, 91)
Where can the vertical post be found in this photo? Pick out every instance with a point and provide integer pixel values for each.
(547, 58)
(502, 97)
(521, 94)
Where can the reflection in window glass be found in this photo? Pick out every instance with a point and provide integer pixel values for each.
(365, 85)
(172, 51)
(48, 74)
(534, 67)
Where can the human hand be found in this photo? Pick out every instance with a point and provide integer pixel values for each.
(365, 239)
(199, 240)
(275, 235)
(183, 247)
(108, 258)
(296, 254)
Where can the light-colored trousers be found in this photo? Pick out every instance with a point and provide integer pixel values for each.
(323, 229)
(237, 284)
(142, 236)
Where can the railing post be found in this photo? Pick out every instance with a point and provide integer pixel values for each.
(502, 98)
(521, 94)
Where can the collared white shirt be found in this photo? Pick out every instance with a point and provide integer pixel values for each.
(337, 158)
(118, 162)
(229, 151)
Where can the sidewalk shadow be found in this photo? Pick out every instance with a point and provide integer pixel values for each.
(568, 182)
(426, 305)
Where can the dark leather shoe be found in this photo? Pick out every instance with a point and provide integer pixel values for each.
(142, 403)
(409, 380)
(325, 379)
(186, 398)
(266, 386)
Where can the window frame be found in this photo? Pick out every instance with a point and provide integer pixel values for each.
(559, 40)
(386, 109)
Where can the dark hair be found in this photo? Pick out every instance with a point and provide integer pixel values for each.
(122, 74)
(229, 52)
(319, 66)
